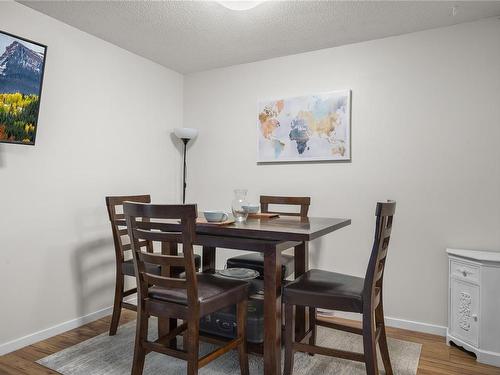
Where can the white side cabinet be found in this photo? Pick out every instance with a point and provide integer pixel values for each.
(474, 303)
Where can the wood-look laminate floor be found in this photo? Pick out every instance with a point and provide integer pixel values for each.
(436, 357)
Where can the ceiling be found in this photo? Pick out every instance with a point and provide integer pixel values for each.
(191, 36)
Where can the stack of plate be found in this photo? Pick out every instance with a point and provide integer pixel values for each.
(238, 273)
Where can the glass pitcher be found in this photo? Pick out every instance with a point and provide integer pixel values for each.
(240, 205)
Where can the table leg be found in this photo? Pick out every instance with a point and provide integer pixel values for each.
(208, 259)
(272, 312)
(166, 325)
(301, 255)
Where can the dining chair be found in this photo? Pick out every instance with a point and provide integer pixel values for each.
(189, 298)
(255, 261)
(335, 291)
(123, 257)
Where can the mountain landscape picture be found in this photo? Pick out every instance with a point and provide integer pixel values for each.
(21, 75)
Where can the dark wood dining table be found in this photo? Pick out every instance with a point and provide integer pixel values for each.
(270, 236)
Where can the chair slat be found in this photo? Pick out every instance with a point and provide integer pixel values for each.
(162, 260)
(128, 246)
(305, 348)
(120, 223)
(386, 232)
(380, 271)
(118, 200)
(161, 211)
(386, 209)
(203, 361)
(154, 347)
(129, 306)
(377, 297)
(165, 282)
(339, 327)
(382, 254)
(302, 202)
(164, 227)
(157, 236)
(271, 199)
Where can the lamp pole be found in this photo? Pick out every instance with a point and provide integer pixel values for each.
(185, 135)
(185, 141)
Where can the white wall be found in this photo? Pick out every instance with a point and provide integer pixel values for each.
(103, 129)
(425, 132)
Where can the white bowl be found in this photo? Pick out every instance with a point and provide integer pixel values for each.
(251, 208)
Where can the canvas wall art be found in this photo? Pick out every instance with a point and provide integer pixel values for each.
(22, 65)
(305, 128)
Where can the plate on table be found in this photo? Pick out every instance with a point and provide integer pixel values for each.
(239, 273)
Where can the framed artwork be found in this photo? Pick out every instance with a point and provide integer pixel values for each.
(305, 128)
(22, 64)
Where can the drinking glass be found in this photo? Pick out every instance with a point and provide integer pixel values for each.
(239, 205)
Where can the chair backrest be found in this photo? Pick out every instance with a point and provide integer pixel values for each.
(118, 224)
(303, 202)
(163, 224)
(375, 271)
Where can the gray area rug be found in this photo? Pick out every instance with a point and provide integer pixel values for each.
(105, 355)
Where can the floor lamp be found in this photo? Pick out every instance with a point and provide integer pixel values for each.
(185, 135)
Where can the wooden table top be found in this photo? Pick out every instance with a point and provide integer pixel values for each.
(287, 228)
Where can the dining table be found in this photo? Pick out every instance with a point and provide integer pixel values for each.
(269, 236)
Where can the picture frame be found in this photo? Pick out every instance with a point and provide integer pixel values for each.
(305, 128)
(22, 70)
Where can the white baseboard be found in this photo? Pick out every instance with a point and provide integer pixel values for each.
(30, 339)
(53, 331)
(396, 323)
(78, 322)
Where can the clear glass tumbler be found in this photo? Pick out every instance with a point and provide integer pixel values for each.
(240, 204)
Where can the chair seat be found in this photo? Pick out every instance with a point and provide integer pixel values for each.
(128, 267)
(255, 261)
(214, 293)
(328, 290)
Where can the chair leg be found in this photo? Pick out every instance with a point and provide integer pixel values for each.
(382, 341)
(141, 335)
(192, 342)
(369, 344)
(312, 327)
(117, 305)
(289, 331)
(241, 309)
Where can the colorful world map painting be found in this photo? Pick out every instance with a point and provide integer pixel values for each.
(305, 128)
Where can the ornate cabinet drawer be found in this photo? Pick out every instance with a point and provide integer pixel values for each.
(464, 271)
(474, 303)
(464, 312)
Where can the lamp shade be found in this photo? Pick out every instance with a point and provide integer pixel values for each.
(239, 5)
(185, 133)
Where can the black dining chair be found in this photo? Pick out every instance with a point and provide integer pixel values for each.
(123, 255)
(255, 261)
(188, 298)
(335, 291)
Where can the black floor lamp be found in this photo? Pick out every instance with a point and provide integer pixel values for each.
(185, 135)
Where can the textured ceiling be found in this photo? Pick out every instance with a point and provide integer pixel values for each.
(190, 36)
